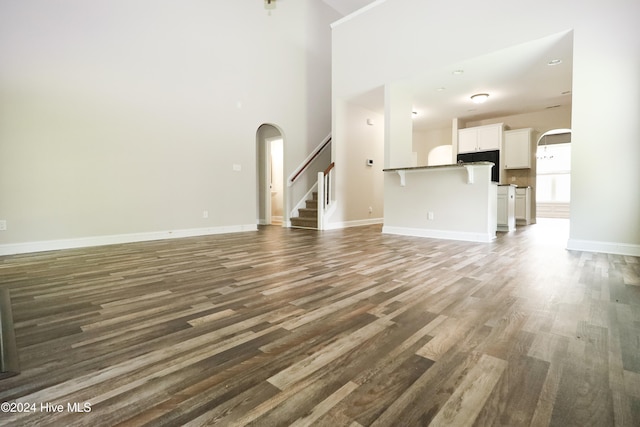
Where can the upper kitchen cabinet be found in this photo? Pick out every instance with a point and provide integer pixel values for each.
(480, 138)
(517, 148)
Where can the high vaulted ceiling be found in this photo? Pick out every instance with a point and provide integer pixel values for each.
(518, 79)
(345, 7)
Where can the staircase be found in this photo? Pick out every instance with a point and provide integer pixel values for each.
(308, 216)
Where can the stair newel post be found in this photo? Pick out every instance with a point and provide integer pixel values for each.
(321, 201)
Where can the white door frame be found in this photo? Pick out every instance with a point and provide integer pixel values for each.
(267, 177)
(267, 180)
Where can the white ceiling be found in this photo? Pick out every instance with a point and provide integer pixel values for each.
(518, 80)
(345, 7)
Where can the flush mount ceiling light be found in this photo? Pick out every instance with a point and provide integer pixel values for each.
(479, 98)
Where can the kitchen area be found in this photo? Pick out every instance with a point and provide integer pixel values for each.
(487, 190)
(513, 153)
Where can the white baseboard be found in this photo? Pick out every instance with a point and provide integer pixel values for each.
(83, 242)
(275, 220)
(603, 247)
(355, 223)
(440, 234)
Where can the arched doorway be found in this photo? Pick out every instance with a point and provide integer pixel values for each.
(440, 155)
(553, 174)
(270, 175)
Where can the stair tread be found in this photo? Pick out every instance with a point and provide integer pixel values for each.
(304, 222)
(307, 213)
(308, 216)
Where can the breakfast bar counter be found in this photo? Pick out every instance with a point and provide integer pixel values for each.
(457, 201)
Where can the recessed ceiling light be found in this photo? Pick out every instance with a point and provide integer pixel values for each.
(554, 62)
(479, 98)
(457, 72)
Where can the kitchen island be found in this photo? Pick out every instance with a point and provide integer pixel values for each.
(457, 201)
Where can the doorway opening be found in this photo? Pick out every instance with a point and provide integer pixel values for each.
(276, 185)
(553, 184)
(270, 175)
(553, 174)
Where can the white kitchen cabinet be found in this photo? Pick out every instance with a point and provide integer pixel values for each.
(467, 140)
(523, 205)
(480, 138)
(517, 148)
(506, 207)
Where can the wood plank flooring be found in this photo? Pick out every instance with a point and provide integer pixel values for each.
(338, 328)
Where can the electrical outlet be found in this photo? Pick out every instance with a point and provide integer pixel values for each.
(3, 224)
(429, 215)
(370, 209)
(205, 214)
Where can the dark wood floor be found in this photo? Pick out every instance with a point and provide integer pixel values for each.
(339, 328)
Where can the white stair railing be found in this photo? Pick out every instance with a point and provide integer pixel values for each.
(325, 193)
(303, 181)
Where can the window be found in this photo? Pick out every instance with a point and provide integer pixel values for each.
(554, 173)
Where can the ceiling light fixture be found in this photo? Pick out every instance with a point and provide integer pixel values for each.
(479, 98)
(554, 62)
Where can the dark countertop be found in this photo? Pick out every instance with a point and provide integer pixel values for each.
(453, 165)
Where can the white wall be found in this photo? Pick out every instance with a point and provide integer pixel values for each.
(426, 140)
(606, 132)
(363, 184)
(461, 210)
(541, 121)
(605, 85)
(398, 125)
(126, 117)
